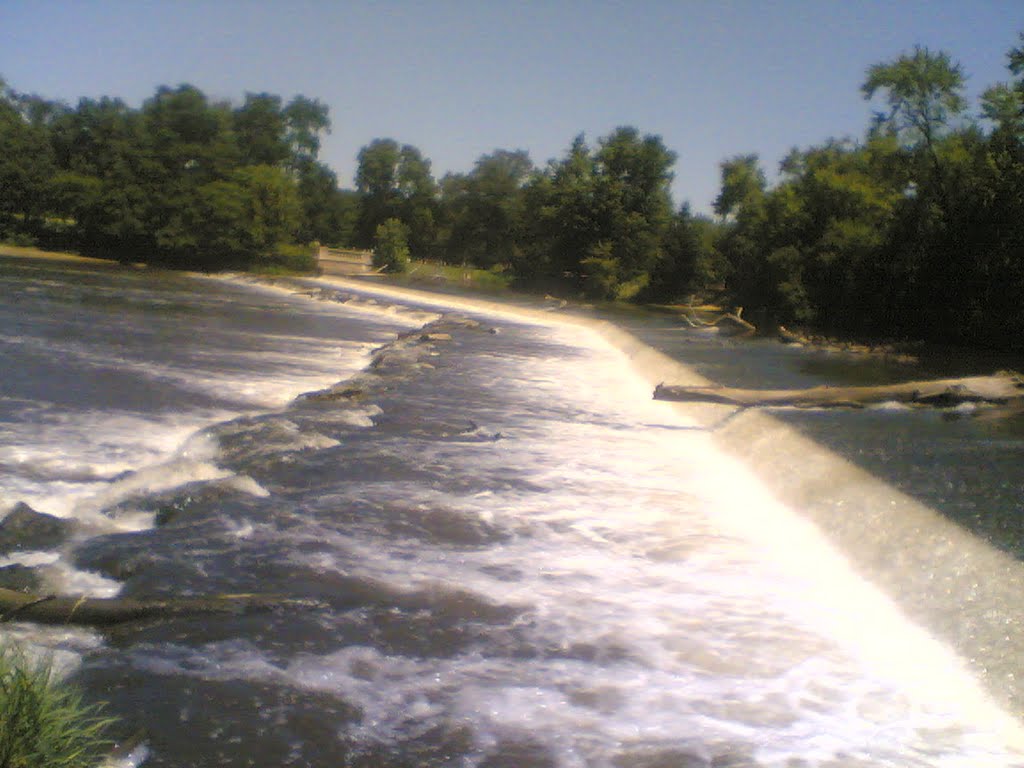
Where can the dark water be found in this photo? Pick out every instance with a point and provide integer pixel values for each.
(514, 556)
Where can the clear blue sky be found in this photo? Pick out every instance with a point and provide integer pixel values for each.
(459, 79)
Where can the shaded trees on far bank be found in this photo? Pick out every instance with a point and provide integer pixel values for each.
(394, 182)
(182, 180)
(598, 222)
(483, 211)
(26, 164)
(914, 232)
(601, 220)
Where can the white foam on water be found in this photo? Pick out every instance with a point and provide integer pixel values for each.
(193, 461)
(356, 303)
(60, 647)
(667, 601)
(54, 462)
(133, 759)
(72, 581)
(29, 558)
(275, 368)
(76, 465)
(246, 484)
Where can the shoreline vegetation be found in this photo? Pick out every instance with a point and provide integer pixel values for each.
(453, 280)
(44, 722)
(912, 233)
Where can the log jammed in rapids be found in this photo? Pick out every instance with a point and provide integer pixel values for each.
(98, 612)
(941, 393)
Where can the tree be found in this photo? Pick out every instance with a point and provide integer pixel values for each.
(743, 185)
(390, 246)
(306, 120)
(26, 167)
(923, 91)
(634, 204)
(1003, 103)
(559, 222)
(395, 182)
(259, 127)
(688, 264)
(191, 139)
(485, 209)
(328, 213)
(924, 94)
(109, 178)
(598, 218)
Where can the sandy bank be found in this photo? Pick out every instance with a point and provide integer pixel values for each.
(36, 253)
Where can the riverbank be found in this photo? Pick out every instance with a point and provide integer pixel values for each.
(26, 252)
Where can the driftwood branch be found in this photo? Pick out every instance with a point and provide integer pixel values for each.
(98, 612)
(942, 393)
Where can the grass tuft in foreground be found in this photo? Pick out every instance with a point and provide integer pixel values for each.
(43, 722)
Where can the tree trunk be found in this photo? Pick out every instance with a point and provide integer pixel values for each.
(942, 393)
(98, 612)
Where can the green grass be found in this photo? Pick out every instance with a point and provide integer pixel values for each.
(43, 722)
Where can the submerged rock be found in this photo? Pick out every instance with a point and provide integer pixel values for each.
(26, 529)
(20, 578)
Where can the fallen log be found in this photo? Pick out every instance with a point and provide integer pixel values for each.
(103, 611)
(942, 393)
(734, 325)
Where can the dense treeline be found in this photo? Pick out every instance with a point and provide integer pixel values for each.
(914, 231)
(182, 181)
(599, 221)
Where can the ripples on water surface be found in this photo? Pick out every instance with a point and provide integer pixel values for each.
(522, 560)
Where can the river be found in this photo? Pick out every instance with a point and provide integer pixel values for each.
(517, 557)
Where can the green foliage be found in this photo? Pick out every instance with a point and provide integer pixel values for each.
(689, 263)
(394, 182)
(390, 246)
(914, 232)
(183, 181)
(923, 92)
(259, 127)
(598, 219)
(44, 723)
(599, 270)
(743, 185)
(26, 165)
(485, 210)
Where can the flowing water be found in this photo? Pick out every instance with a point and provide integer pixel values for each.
(517, 557)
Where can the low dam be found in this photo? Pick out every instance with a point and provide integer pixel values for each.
(498, 549)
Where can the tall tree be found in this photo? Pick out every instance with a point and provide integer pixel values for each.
(395, 182)
(598, 217)
(306, 121)
(1003, 103)
(259, 127)
(26, 167)
(743, 185)
(486, 209)
(924, 95)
